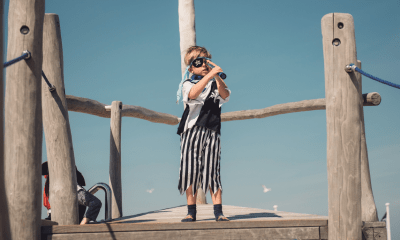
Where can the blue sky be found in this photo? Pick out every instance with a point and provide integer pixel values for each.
(272, 53)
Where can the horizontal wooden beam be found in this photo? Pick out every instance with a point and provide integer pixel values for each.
(370, 99)
(93, 107)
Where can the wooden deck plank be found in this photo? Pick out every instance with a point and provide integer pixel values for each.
(255, 233)
(169, 219)
(110, 227)
(205, 213)
(249, 223)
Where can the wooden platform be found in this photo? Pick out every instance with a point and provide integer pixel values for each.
(246, 223)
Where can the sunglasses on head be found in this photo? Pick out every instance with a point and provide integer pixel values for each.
(198, 62)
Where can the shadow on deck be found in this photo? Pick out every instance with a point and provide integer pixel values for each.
(246, 223)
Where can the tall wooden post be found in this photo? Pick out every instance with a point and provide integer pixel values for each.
(187, 28)
(368, 207)
(60, 152)
(343, 106)
(115, 159)
(4, 221)
(23, 119)
(187, 32)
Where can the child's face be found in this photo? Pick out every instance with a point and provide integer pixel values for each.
(202, 70)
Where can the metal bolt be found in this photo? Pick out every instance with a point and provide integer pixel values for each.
(24, 30)
(336, 42)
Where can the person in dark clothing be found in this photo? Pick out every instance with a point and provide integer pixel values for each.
(85, 199)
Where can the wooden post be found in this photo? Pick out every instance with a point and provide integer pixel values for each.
(187, 32)
(4, 218)
(115, 159)
(343, 106)
(60, 153)
(368, 207)
(23, 119)
(187, 28)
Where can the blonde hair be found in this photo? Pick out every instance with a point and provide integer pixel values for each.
(195, 51)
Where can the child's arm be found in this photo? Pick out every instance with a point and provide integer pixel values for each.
(221, 85)
(198, 87)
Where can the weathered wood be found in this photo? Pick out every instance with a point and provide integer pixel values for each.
(23, 119)
(93, 107)
(368, 207)
(60, 152)
(115, 159)
(323, 232)
(371, 99)
(169, 219)
(187, 28)
(374, 231)
(376, 224)
(343, 105)
(135, 227)
(242, 219)
(201, 197)
(250, 233)
(48, 223)
(380, 234)
(4, 221)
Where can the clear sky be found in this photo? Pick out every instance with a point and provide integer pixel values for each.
(272, 53)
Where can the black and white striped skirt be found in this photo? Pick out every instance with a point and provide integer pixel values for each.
(200, 160)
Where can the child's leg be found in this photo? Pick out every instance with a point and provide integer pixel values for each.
(217, 201)
(93, 204)
(191, 200)
(217, 197)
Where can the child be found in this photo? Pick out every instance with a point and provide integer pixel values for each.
(203, 94)
(85, 199)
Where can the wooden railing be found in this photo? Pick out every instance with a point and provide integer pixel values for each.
(93, 107)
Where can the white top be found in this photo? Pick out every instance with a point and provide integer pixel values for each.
(195, 105)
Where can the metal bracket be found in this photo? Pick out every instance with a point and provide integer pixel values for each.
(350, 68)
(29, 54)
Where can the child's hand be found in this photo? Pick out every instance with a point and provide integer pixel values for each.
(216, 68)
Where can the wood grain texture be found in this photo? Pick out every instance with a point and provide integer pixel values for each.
(251, 233)
(23, 119)
(368, 207)
(201, 197)
(4, 218)
(248, 223)
(343, 106)
(371, 99)
(374, 224)
(60, 152)
(93, 107)
(115, 159)
(187, 28)
(169, 219)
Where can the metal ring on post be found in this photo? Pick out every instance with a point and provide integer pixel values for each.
(350, 68)
(29, 54)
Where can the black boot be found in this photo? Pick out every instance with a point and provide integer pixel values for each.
(219, 216)
(191, 217)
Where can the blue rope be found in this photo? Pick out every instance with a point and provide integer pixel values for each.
(374, 78)
(51, 86)
(23, 56)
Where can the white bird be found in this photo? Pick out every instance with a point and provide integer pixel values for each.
(150, 191)
(266, 189)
